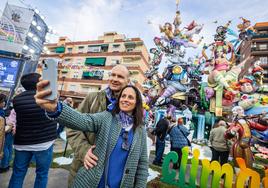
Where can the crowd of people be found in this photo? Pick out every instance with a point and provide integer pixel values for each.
(106, 133)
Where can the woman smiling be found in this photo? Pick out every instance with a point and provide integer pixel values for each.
(120, 139)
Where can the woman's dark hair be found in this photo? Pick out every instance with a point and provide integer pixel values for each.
(138, 110)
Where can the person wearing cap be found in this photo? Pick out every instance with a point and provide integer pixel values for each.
(35, 135)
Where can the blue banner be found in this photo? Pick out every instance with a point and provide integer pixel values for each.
(8, 71)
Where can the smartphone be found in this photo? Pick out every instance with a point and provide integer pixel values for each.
(50, 73)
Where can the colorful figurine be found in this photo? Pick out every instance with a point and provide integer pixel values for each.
(241, 131)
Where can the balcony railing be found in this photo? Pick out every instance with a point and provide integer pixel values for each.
(92, 75)
(260, 36)
(259, 49)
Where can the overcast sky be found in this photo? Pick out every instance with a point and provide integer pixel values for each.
(88, 19)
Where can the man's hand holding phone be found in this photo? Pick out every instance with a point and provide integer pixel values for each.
(50, 73)
(41, 97)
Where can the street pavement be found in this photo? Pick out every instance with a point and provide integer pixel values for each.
(57, 178)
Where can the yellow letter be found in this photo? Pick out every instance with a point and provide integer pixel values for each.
(246, 173)
(218, 172)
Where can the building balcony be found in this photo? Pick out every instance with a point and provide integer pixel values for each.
(72, 94)
(95, 61)
(260, 39)
(255, 51)
(64, 71)
(60, 49)
(257, 36)
(78, 80)
(93, 75)
(98, 55)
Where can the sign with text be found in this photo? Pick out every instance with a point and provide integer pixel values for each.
(8, 71)
(238, 179)
(14, 25)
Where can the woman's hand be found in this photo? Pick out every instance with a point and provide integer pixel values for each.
(41, 93)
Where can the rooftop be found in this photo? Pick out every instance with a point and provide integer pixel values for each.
(261, 25)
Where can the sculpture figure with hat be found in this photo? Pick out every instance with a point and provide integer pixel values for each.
(240, 130)
(246, 31)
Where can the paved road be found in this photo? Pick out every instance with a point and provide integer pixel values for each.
(57, 178)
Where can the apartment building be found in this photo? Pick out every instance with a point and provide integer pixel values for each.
(257, 49)
(84, 66)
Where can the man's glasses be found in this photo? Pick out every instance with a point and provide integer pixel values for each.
(125, 144)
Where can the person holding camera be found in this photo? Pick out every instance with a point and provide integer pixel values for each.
(83, 142)
(120, 139)
(35, 135)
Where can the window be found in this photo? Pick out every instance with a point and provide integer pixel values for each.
(76, 74)
(85, 89)
(130, 49)
(263, 60)
(254, 45)
(69, 50)
(104, 47)
(94, 49)
(262, 46)
(130, 46)
(127, 60)
(66, 61)
(115, 61)
(263, 32)
(79, 61)
(116, 46)
(72, 87)
(80, 49)
(64, 73)
(88, 88)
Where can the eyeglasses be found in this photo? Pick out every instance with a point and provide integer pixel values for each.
(125, 144)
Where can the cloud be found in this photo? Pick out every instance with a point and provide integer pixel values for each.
(88, 19)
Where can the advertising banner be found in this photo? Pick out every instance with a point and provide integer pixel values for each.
(9, 69)
(14, 26)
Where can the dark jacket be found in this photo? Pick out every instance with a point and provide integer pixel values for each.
(33, 127)
(161, 128)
